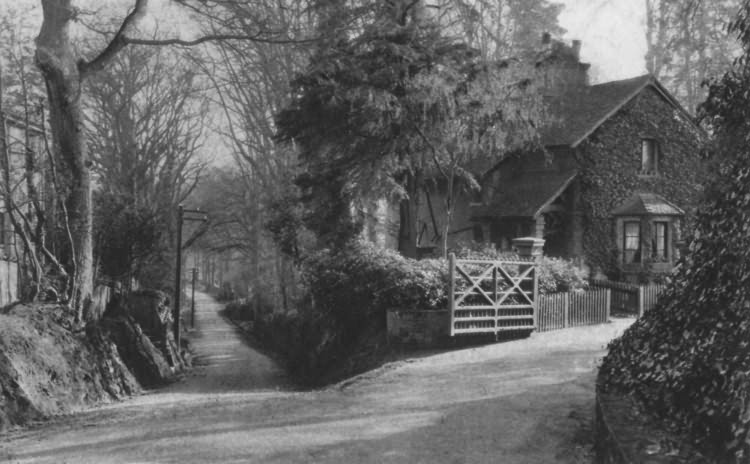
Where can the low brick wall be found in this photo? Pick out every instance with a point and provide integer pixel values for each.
(418, 328)
(624, 437)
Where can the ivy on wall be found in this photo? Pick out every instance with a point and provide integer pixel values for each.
(610, 161)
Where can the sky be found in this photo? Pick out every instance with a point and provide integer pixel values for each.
(611, 31)
(612, 36)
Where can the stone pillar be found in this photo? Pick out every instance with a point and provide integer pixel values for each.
(529, 247)
(539, 226)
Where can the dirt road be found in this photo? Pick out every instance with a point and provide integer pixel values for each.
(527, 401)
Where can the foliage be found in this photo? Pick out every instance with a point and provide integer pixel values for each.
(349, 291)
(382, 110)
(560, 275)
(688, 360)
(128, 240)
(365, 279)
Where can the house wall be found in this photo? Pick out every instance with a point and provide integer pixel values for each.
(382, 219)
(462, 228)
(610, 164)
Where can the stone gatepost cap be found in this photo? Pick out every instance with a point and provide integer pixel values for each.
(528, 246)
(528, 241)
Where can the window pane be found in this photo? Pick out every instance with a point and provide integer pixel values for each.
(632, 243)
(648, 156)
(632, 235)
(659, 242)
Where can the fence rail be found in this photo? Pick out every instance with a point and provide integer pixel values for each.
(573, 309)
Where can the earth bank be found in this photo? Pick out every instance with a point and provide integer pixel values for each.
(48, 367)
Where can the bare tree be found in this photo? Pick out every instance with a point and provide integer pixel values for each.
(688, 43)
(145, 118)
(251, 83)
(64, 71)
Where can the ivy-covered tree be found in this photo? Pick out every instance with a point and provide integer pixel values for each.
(688, 360)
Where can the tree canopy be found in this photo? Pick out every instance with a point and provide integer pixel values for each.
(380, 112)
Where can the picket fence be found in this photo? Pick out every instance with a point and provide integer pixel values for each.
(631, 298)
(572, 309)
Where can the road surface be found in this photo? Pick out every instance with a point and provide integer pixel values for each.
(526, 401)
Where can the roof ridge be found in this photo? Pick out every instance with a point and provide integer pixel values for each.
(644, 77)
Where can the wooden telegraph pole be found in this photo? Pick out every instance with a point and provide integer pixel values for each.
(178, 271)
(192, 301)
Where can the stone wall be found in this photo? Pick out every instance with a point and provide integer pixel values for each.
(418, 328)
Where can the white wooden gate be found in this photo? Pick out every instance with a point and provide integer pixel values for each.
(488, 296)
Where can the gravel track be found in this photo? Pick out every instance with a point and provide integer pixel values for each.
(525, 401)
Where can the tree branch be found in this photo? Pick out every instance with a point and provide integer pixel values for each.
(214, 38)
(118, 42)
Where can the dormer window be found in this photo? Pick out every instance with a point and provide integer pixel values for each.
(649, 157)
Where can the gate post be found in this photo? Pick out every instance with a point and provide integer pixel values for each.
(452, 290)
(531, 247)
(608, 298)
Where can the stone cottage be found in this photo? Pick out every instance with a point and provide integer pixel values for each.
(619, 178)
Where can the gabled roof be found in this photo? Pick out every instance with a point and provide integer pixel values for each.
(647, 204)
(525, 195)
(577, 114)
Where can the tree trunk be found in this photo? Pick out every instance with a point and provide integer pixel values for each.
(409, 216)
(56, 60)
(449, 208)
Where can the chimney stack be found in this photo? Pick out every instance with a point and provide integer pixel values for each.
(576, 47)
(546, 38)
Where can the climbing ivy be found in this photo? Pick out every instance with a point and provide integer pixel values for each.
(611, 161)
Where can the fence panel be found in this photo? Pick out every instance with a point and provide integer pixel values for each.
(553, 311)
(624, 297)
(573, 309)
(587, 308)
(649, 296)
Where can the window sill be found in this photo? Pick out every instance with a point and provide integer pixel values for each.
(648, 175)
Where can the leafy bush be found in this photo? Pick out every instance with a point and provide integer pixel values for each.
(349, 292)
(560, 275)
(688, 360)
(373, 279)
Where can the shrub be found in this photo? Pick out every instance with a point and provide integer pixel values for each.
(371, 279)
(687, 361)
(349, 292)
(560, 275)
